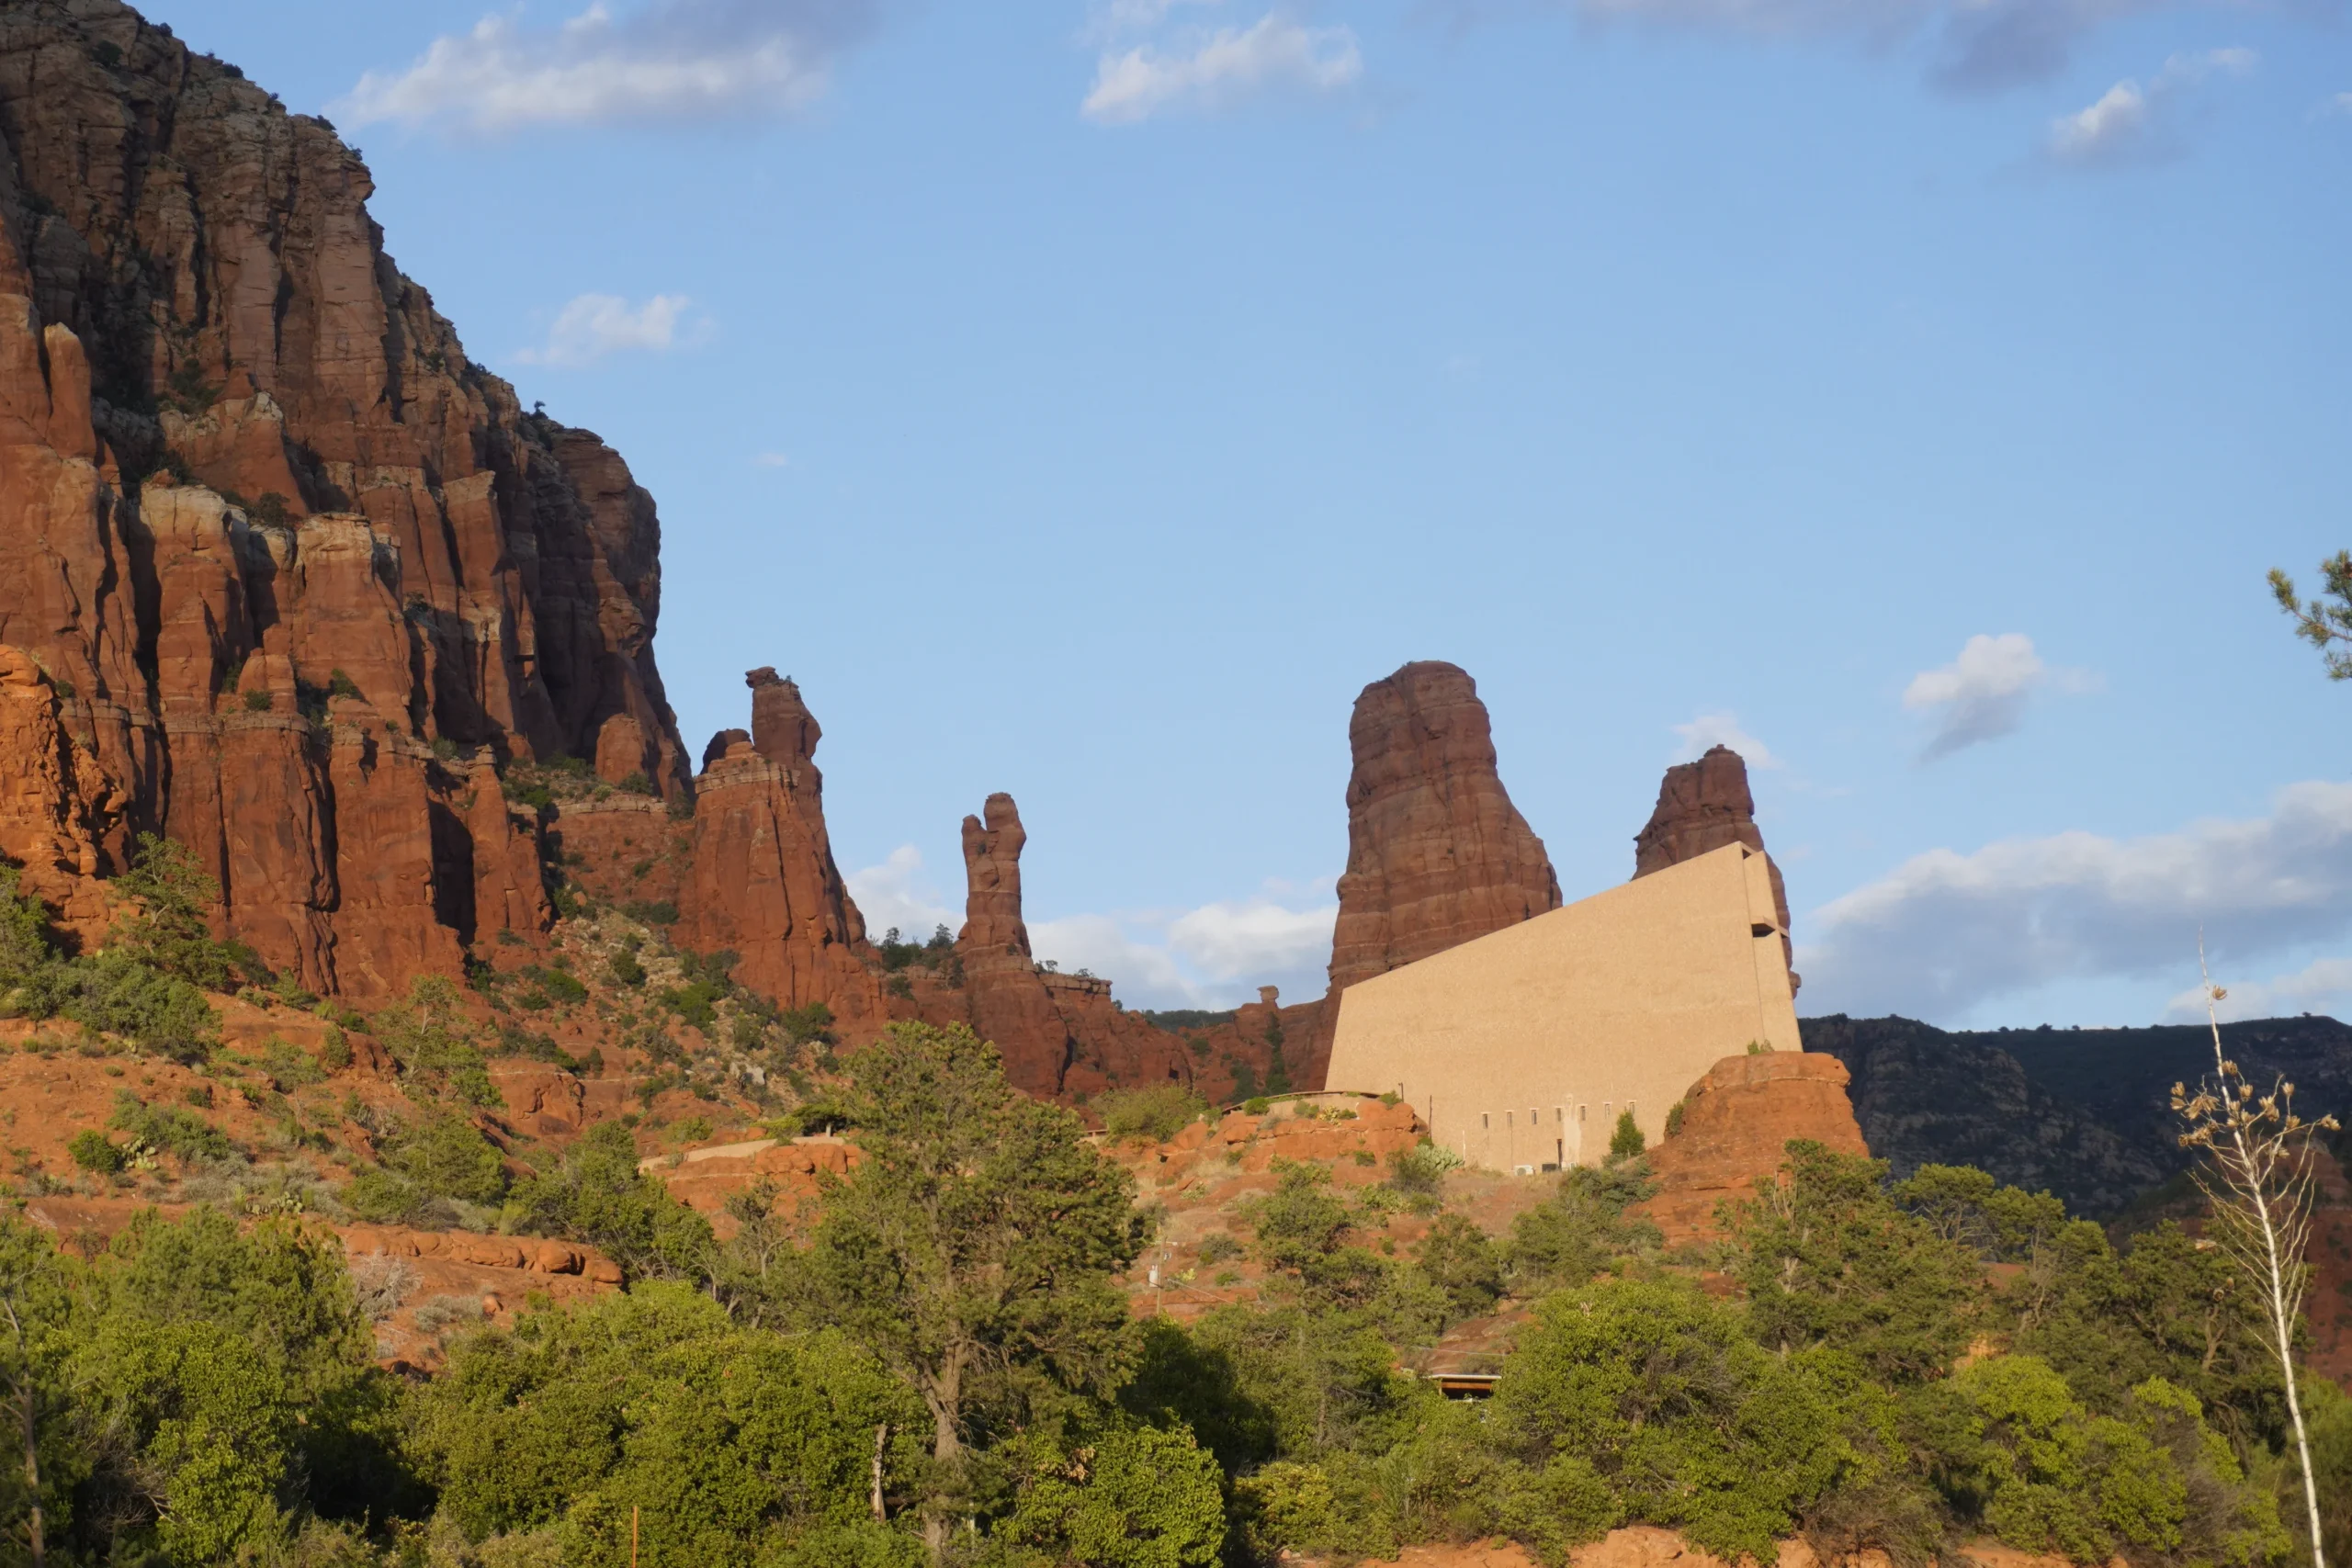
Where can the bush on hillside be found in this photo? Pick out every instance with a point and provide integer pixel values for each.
(1157, 1110)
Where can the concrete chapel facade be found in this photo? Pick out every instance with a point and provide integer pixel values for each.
(1520, 1048)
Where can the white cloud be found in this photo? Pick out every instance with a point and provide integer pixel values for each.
(1213, 956)
(594, 325)
(1143, 973)
(2323, 985)
(2340, 104)
(1237, 942)
(1946, 931)
(773, 460)
(2131, 123)
(671, 61)
(1977, 45)
(1227, 66)
(899, 893)
(1711, 729)
(1982, 694)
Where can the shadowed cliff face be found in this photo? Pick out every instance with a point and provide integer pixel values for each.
(267, 536)
(2085, 1113)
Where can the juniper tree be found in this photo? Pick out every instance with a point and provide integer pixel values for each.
(972, 1249)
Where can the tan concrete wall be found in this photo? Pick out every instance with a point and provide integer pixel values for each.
(1521, 1047)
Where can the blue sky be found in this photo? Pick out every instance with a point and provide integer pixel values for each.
(1086, 399)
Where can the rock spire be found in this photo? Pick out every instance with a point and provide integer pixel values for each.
(1703, 806)
(1437, 854)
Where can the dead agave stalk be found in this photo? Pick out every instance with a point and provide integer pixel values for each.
(2258, 1177)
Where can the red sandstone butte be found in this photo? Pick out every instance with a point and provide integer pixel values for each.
(763, 883)
(1704, 806)
(1437, 854)
(1734, 1130)
(294, 572)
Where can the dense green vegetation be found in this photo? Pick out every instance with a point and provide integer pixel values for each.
(941, 1365)
(147, 985)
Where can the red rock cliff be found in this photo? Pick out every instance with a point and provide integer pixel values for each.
(763, 882)
(1437, 854)
(1704, 806)
(268, 539)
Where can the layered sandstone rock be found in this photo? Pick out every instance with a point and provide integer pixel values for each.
(1007, 995)
(1437, 854)
(763, 882)
(1704, 806)
(1733, 1133)
(298, 573)
(1060, 1035)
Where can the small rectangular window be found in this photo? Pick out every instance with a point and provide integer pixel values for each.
(1485, 1121)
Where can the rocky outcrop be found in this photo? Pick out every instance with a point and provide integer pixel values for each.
(763, 882)
(1010, 1005)
(1701, 806)
(1437, 854)
(298, 575)
(1732, 1129)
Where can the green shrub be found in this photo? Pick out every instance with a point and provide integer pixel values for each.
(695, 1004)
(334, 1051)
(1462, 1264)
(94, 1152)
(625, 970)
(447, 1157)
(180, 1132)
(1688, 1422)
(1580, 1229)
(1256, 1105)
(1419, 1171)
(555, 983)
(290, 1067)
(663, 913)
(168, 930)
(1627, 1140)
(1119, 1493)
(427, 1036)
(341, 685)
(725, 1444)
(809, 1024)
(1159, 1112)
(596, 1194)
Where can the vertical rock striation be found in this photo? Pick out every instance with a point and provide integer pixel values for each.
(294, 573)
(1704, 806)
(1437, 854)
(764, 884)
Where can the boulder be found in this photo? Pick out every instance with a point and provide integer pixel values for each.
(1733, 1129)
